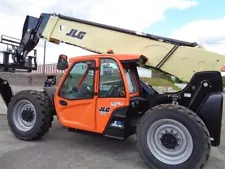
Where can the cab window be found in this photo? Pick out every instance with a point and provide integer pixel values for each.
(130, 80)
(79, 83)
(111, 82)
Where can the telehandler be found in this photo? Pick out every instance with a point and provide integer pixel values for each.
(173, 130)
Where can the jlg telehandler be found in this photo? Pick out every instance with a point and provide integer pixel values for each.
(103, 93)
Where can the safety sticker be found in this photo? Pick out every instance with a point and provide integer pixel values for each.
(187, 94)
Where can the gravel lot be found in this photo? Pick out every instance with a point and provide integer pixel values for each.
(61, 149)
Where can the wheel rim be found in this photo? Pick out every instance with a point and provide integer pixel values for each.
(169, 141)
(24, 115)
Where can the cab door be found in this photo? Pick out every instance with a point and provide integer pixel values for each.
(75, 100)
(113, 91)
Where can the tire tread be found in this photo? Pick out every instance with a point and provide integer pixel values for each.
(47, 117)
(194, 117)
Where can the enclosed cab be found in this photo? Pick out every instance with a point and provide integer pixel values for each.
(95, 96)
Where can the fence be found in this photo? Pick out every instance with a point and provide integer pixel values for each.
(49, 69)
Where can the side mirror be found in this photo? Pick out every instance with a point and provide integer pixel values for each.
(62, 62)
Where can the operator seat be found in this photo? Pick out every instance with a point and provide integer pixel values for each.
(114, 91)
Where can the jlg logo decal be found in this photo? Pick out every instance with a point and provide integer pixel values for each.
(104, 110)
(76, 34)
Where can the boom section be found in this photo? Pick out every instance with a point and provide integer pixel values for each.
(179, 58)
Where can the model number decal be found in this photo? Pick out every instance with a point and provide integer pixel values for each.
(76, 34)
(116, 104)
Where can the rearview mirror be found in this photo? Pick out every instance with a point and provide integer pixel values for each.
(91, 66)
(62, 62)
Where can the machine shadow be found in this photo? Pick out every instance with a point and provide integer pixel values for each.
(124, 151)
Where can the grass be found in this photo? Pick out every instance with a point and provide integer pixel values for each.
(160, 82)
(166, 83)
(223, 78)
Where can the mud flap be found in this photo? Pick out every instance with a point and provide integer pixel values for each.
(6, 91)
(50, 92)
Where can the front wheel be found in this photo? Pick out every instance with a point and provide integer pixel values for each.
(30, 115)
(172, 136)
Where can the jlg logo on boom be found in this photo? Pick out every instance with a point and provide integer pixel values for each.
(76, 34)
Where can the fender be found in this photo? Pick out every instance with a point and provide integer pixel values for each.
(211, 111)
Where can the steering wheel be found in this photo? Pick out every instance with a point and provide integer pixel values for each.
(84, 90)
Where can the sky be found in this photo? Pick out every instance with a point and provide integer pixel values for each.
(201, 21)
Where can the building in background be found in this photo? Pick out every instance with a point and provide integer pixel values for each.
(223, 71)
(142, 72)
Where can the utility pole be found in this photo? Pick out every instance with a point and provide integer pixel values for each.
(43, 68)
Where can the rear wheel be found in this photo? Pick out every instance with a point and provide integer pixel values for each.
(173, 136)
(30, 115)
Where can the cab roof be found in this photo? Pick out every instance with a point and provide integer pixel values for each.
(120, 57)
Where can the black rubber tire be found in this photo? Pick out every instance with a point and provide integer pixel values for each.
(44, 115)
(196, 127)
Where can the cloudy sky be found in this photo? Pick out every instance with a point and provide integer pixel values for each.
(202, 21)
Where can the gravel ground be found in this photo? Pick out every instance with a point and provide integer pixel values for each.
(61, 149)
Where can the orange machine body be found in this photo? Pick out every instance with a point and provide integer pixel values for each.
(85, 114)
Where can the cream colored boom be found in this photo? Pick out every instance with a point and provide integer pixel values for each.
(181, 59)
